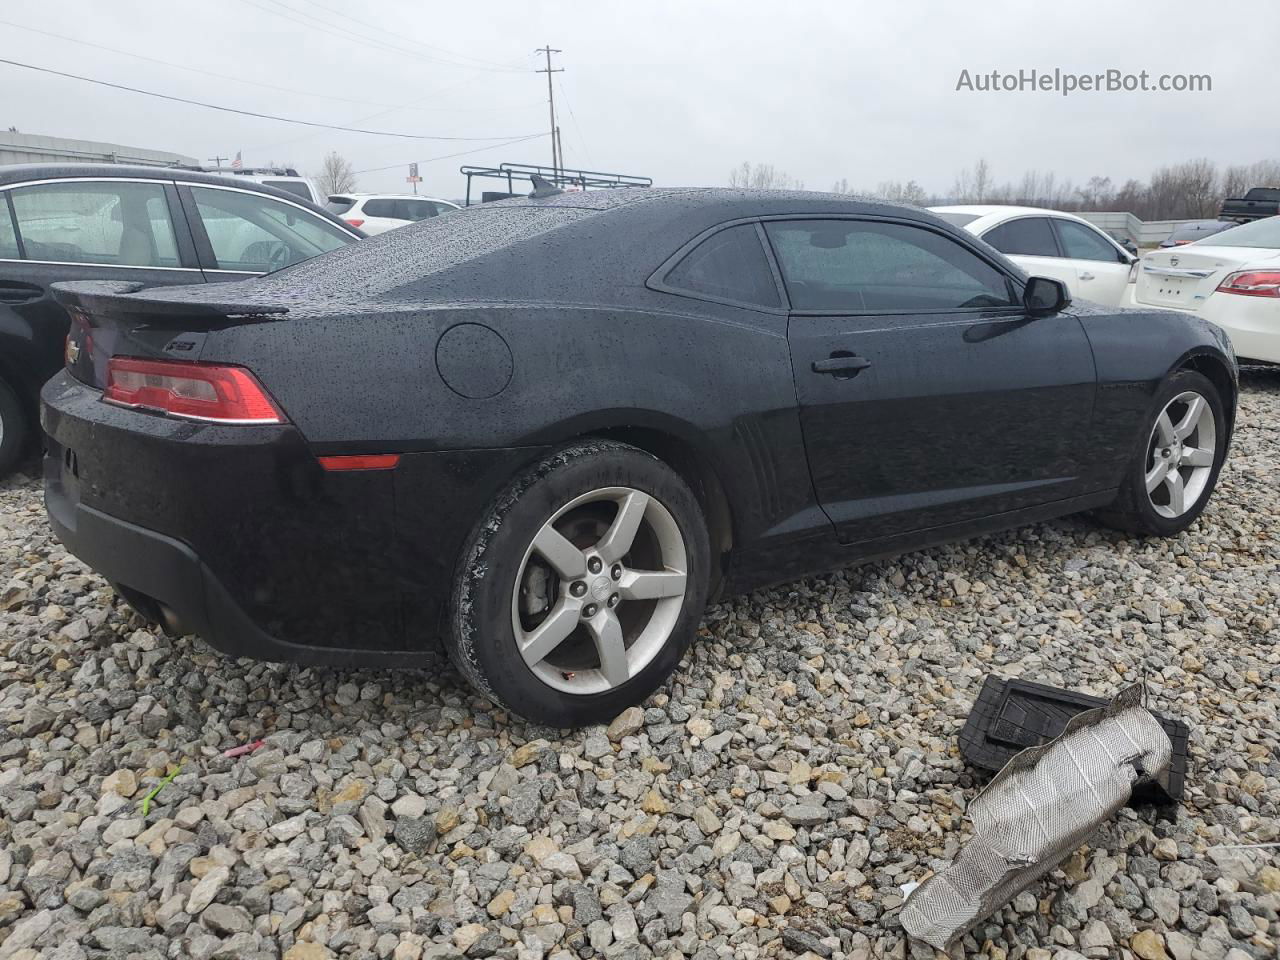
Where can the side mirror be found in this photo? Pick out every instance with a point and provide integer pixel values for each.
(1043, 296)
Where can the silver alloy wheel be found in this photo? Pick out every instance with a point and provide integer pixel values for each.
(1180, 454)
(599, 590)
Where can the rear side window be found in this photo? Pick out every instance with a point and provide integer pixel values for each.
(339, 205)
(8, 238)
(108, 223)
(728, 265)
(1081, 243)
(1027, 236)
(874, 267)
(415, 209)
(382, 208)
(253, 233)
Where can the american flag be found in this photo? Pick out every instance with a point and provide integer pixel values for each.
(236, 164)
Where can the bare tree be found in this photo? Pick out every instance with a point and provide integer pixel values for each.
(981, 180)
(762, 176)
(336, 175)
(897, 192)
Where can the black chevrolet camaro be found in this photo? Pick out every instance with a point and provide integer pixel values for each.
(547, 431)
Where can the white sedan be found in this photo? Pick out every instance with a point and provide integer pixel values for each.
(1231, 279)
(1049, 243)
(376, 213)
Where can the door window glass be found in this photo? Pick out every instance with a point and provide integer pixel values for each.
(8, 238)
(116, 224)
(255, 233)
(731, 265)
(1082, 243)
(1028, 236)
(869, 266)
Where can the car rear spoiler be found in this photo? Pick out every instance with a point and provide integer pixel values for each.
(111, 298)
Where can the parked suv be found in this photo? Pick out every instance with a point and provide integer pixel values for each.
(380, 212)
(155, 226)
(282, 178)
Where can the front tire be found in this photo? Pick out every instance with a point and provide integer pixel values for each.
(579, 591)
(13, 429)
(1176, 465)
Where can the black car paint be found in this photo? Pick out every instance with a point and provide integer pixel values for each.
(797, 471)
(33, 327)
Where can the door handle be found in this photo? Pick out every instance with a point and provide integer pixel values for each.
(837, 364)
(1086, 275)
(19, 292)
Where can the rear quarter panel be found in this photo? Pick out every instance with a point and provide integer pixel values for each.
(715, 378)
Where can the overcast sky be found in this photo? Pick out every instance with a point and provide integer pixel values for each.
(679, 91)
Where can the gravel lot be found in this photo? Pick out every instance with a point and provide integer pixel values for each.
(803, 765)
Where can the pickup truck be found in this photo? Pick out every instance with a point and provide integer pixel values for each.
(1257, 203)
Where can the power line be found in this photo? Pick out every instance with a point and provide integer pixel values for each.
(294, 15)
(577, 129)
(180, 66)
(381, 113)
(448, 156)
(416, 43)
(246, 113)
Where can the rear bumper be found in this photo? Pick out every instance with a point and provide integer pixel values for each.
(249, 543)
(168, 572)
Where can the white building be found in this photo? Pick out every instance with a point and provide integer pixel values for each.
(30, 148)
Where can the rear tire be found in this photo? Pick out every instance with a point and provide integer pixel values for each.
(1175, 467)
(13, 429)
(579, 591)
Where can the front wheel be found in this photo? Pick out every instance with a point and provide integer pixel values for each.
(1176, 465)
(581, 589)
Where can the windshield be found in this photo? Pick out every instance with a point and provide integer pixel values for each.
(339, 205)
(957, 219)
(1260, 233)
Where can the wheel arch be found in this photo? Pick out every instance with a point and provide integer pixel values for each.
(695, 467)
(1219, 373)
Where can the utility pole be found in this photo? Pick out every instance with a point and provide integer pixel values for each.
(218, 161)
(556, 158)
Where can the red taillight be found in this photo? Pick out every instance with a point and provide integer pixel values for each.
(370, 461)
(1252, 283)
(195, 391)
(356, 223)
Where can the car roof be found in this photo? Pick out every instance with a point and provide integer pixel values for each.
(390, 196)
(24, 172)
(1005, 211)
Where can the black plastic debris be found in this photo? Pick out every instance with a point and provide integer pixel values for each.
(1012, 715)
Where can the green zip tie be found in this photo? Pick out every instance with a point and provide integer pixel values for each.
(146, 801)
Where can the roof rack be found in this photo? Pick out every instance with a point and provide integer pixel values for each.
(241, 171)
(559, 176)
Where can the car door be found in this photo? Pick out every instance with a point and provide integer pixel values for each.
(380, 215)
(1100, 266)
(239, 233)
(1031, 243)
(80, 229)
(928, 394)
